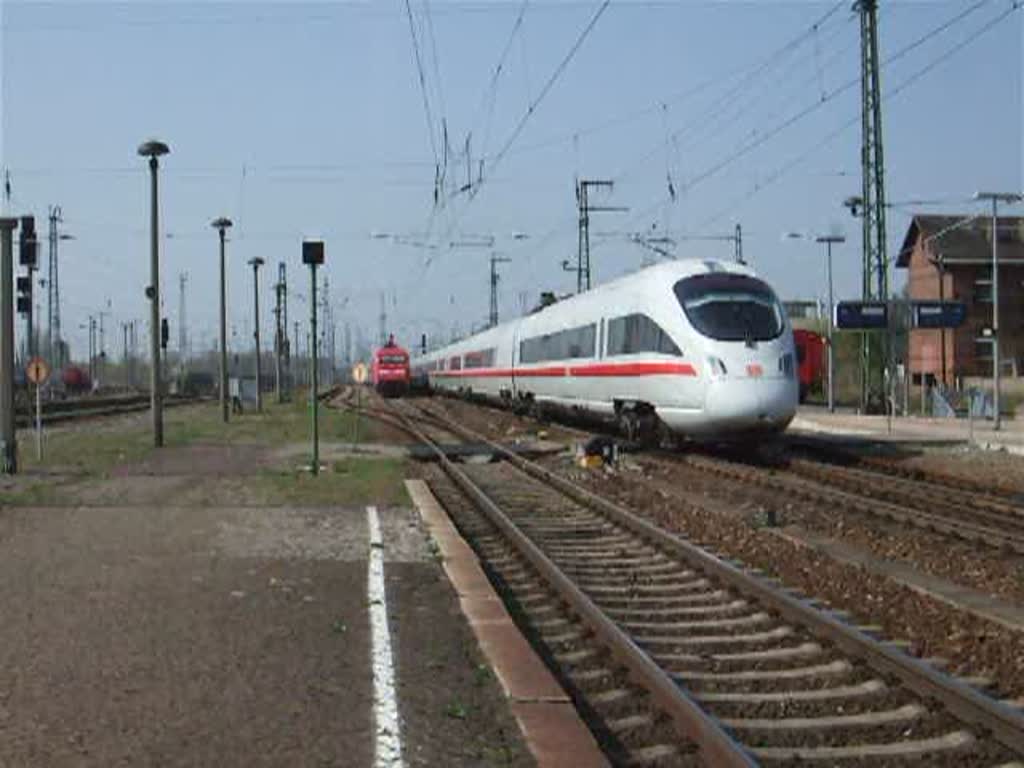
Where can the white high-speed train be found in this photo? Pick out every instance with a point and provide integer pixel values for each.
(703, 348)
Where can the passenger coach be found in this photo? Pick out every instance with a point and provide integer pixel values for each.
(701, 347)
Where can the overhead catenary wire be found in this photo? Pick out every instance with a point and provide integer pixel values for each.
(854, 120)
(423, 83)
(785, 124)
(534, 103)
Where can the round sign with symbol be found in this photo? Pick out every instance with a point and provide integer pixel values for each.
(37, 370)
(359, 373)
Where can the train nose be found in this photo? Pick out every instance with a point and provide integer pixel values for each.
(743, 404)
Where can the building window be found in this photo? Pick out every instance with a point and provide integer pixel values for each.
(638, 333)
(983, 291)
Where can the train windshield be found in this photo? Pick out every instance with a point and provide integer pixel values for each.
(731, 307)
(392, 359)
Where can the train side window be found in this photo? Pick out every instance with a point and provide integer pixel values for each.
(482, 359)
(638, 333)
(569, 344)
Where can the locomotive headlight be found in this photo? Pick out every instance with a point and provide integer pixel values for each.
(786, 365)
(716, 367)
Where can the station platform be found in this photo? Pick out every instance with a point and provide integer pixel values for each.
(814, 420)
(210, 604)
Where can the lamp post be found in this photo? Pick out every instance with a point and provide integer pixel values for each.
(996, 198)
(256, 263)
(222, 225)
(153, 150)
(828, 240)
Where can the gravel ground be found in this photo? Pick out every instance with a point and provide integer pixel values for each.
(994, 469)
(147, 622)
(975, 565)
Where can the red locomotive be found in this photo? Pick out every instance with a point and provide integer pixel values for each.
(390, 369)
(811, 352)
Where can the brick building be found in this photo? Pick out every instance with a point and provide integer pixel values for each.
(950, 257)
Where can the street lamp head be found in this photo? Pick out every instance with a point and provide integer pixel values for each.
(854, 203)
(256, 262)
(153, 148)
(65, 236)
(794, 236)
(222, 223)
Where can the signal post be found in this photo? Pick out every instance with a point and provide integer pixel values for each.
(8, 447)
(313, 255)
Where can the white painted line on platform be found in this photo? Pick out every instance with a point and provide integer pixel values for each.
(388, 740)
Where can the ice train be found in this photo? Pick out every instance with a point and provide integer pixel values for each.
(702, 349)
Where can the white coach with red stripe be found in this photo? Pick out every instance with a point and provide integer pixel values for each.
(701, 347)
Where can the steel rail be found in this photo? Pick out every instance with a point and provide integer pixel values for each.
(1003, 722)
(716, 746)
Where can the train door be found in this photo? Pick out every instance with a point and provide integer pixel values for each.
(512, 359)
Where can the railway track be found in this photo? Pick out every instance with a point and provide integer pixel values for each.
(880, 489)
(679, 657)
(988, 520)
(73, 410)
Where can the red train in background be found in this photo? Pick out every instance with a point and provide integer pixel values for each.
(389, 370)
(811, 355)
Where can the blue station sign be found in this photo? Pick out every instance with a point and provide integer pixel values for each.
(861, 315)
(939, 314)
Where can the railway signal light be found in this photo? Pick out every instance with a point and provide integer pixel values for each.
(28, 244)
(24, 295)
(165, 333)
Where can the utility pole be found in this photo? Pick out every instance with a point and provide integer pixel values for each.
(278, 336)
(995, 198)
(221, 225)
(871, 203)
(182, 324)
(495, 261)
(296, 323)
(739, 244)
(124, 355)
(52, 294)
(582, 268)
(282, 279)
(383, 329)
(8, 446)
(101, 365)
(256, 263)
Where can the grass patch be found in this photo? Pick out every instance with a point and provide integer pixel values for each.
(348, 482)
(34, 493)
(278, 424)
(87, 449)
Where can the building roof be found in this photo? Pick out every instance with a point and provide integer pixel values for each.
(964, 238)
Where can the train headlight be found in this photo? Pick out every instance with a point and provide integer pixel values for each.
(786, 365)
(716, 367)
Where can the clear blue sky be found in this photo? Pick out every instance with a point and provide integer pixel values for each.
(308, 119)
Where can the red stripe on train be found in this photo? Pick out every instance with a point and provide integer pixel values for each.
(593, 369)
